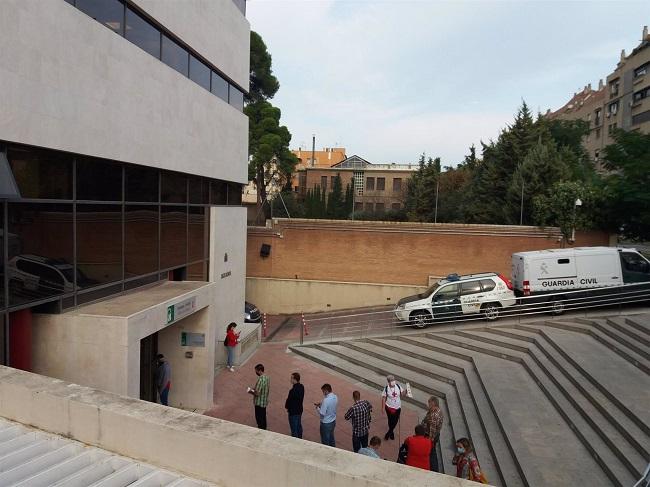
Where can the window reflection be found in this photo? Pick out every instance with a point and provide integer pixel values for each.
(218, 193)
(40, 259)
(236, 98)
(199, 72)
(41, 173)
(108, 12)
(173, 236)
(142, 33)
(140, 240)
(174, 55)
(141, 184)
(219, 87)
(98, 180)
(199, 191)
(99, 244)
(174, 187)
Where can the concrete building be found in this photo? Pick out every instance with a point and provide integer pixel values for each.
(327, 157)
(623, 101)
(123, 151)
(377, 187)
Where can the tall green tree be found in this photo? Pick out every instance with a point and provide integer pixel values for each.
(270, 160)
(629, 183)
(335, 201)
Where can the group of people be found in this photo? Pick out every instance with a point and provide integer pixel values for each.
(418, 450)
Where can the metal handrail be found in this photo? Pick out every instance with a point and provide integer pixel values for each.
(644, 481)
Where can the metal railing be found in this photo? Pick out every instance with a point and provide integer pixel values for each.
(324, 327)
(644, 481)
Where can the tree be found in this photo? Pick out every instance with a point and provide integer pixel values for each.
(335, 202)
(287, 201)
(271, 162)
(628, 185)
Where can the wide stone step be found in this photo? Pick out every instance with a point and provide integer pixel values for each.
(621, 324)
(535, 427)
(631, 427)
(483, 428)
(640, 322)
(595, 429)
(375, 380)
(622, 338)
(511, 469)
(632, 357)
(626, 382)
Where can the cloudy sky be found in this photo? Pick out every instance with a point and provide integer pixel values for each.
(389, 80)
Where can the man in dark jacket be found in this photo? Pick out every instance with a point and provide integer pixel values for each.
(163, 378)
(293, 405)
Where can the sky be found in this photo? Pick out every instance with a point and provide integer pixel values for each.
(389, 80)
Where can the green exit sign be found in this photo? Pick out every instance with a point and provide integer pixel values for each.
(170, 314)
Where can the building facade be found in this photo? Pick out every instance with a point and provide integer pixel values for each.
(327, 157)
(123, 151)
(623, 101)
(377, 187)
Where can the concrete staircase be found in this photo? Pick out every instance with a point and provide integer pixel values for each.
(545, 404)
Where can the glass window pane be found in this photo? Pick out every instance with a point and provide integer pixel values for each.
(41, 173)
(141, 184)
(140, 240)
(2, 269)
(174, 188)
(98, 180)
(173, 236)
(219, 87)
(198, 271)
(108, 12)
(199, 191)
(199, 73)
(198, 236)
(99, 244)
(40, 261)
(218, 193)
(236, 98)
(234, 194)
(142, 33)
(174, 55)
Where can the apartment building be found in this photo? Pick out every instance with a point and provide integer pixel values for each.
(377, 187)
(327, 157)
(123, 152)
(622, 101)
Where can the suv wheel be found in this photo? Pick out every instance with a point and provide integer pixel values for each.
(490, 311)
(420, 319)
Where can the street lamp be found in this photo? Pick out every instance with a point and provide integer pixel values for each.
(577, 203)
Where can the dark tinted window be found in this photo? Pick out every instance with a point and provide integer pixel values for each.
(43, 235)
(174, 55)
(174, 188)
(563, 261)
(141, 184)
(2, 271)
(41, 174)
(141, 240)
(470, 287)
(234, 194)
(199, 191)
(218, 193)
(173, 236)
(449, 291)
(219, 86)
(236, 98)
(99, 244)
(98, 180)
(197, 236)
(199, 73)
(488, 284)
(142, 33)
(108, 12)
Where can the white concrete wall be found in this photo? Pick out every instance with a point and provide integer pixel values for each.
(69, 83)
(228, 454)
(284, 296)
(216, 29)
(228, 236)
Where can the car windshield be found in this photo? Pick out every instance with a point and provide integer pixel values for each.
(429, 291)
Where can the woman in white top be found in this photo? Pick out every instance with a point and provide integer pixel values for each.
(391, 402)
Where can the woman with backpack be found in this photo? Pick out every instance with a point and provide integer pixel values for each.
(467, 466)
(231, 341)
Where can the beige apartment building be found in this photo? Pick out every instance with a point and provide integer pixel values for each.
(623, 101)
(327, 157)
(377, 187)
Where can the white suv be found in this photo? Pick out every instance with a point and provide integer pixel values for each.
(455, 296)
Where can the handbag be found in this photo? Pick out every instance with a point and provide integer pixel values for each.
(403, 453)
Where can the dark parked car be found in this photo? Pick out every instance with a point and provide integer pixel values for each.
(251, 313)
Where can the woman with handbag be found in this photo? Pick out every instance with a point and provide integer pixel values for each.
(467, 466)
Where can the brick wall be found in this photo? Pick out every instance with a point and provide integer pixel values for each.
(388, 252)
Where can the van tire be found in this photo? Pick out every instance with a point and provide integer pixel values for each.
(491, 311)
(420, 319)
(557, 306)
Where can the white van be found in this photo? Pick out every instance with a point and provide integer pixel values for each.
(553, 271)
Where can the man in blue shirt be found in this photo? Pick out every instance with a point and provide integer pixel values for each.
(372, 450)
(327, 411)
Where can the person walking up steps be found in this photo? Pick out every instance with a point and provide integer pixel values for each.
(231, 341)
(391, 403)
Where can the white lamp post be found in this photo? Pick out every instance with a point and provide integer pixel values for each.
(577, 203)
